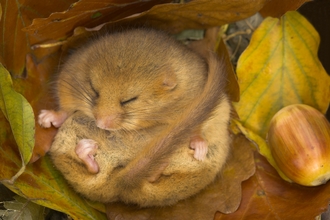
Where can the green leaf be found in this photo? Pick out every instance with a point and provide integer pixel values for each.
(19, 113)
(44, 185)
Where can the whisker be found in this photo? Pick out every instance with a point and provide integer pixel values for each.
(80, 93)
(77, 96)
(132, 129)
(86, 93)
(148, 117)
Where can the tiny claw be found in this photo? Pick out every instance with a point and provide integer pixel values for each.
(47, 118)
(200, 146)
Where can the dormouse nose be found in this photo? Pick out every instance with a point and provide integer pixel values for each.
(109, 122)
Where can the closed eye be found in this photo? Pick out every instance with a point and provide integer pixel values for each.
(128, 101)
(94, 90)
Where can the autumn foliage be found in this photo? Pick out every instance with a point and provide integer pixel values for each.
(278, 68)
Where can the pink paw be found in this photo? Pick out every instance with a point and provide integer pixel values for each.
(48, 118)
(200, 146)
(85, 150)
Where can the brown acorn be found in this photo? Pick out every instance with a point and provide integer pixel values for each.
(299, 140)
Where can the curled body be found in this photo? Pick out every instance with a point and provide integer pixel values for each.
(147, 102)
(182, 178)
(130, 80)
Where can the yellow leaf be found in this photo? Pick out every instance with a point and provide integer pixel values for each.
(19, 113)
(280, 67)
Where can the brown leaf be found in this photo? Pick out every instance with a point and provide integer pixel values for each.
(170, 17)
(223, 195)
(277, 8)
(44, 138)
(267, 196)
(19, 14)
(232, 86)
(14, 38)
(87, 13)
(198, 14)
(40, 97)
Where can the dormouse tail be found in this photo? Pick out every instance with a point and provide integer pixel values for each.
(154, 157)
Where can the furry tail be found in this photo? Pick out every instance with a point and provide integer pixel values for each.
(154, 157)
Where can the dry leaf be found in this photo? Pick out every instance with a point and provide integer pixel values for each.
(277, 8)
(197, 14)
(36, 89)
(40, 182)
(267, 196)
(260, 70)
(87, 13)
(19, 14)
(223, 195)
(45, 186)
(170, 17)
(260, 145)
(22, 208)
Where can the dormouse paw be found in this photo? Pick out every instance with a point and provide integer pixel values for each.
(86, 150)
(200, 146)
(48, 118)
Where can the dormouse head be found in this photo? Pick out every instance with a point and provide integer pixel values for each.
(133, 80)
(129, 98)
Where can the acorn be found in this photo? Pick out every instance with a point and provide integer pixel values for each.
(299, 141)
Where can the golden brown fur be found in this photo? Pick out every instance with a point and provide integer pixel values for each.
(183, 177)
(155, 155)
(144, 157)
(101, 77)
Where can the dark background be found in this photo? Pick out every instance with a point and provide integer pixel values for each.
(318, 13)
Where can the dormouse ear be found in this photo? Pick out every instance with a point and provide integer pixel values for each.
(170, 81)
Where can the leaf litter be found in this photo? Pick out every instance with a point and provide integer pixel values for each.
(272, 185)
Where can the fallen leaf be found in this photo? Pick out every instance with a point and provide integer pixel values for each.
(36, 89)
(279, 68)
(19, 113)
(277, 8)
(277, 62)
(261, 145)
(42, 184)
(15, 40)
(223, 195)
(21, 208)
(267, 196)
(233, 87)
(193, 15)
(87, 13)
(197, 14)
(15, 43)
(45, 186)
